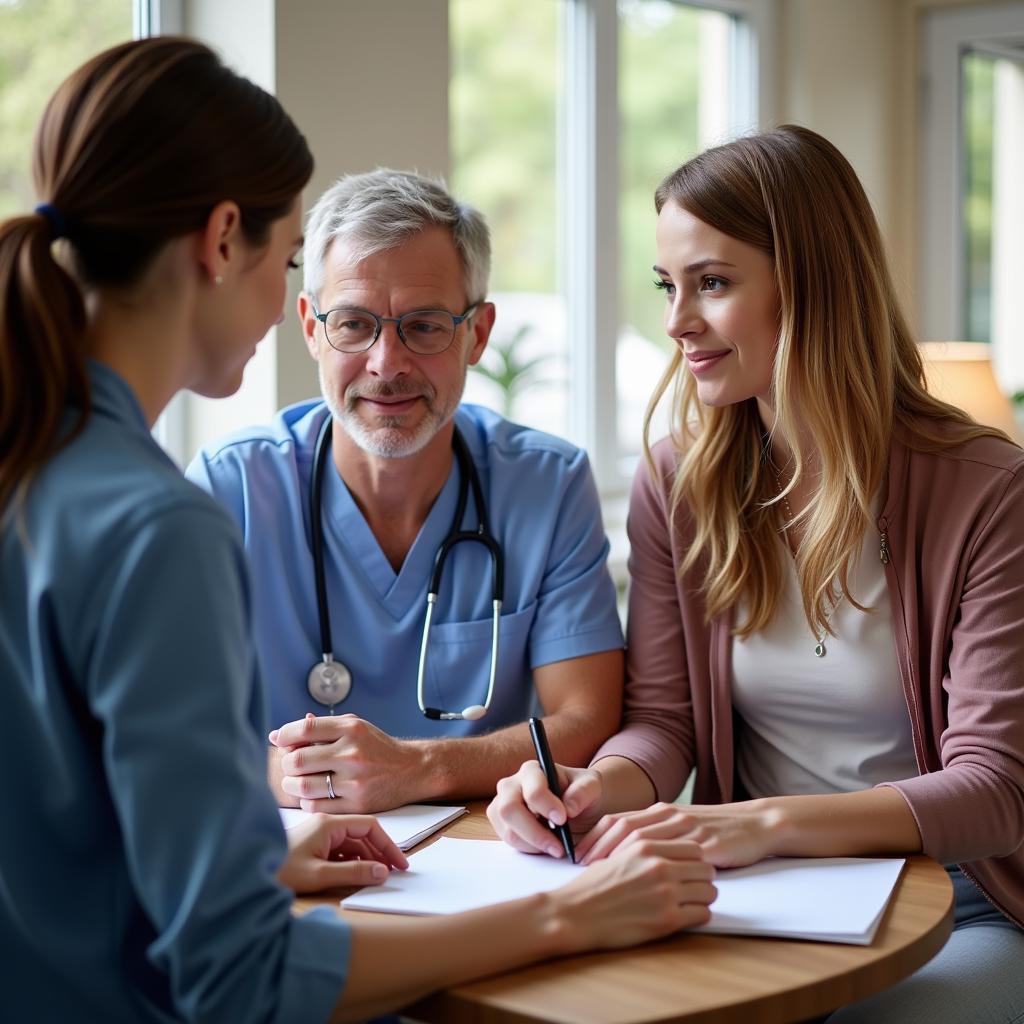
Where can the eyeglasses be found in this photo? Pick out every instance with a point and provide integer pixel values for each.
(427, 332)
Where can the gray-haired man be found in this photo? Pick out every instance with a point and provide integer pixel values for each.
(368, 714)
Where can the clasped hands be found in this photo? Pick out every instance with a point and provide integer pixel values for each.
(370, 770)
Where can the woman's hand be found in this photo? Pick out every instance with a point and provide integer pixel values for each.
(521, 797)
(649, 891)
(729, 835)
(330, 851)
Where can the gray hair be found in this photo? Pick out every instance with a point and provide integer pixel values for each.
(381, 210)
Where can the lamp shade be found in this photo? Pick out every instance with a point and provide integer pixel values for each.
(960, 372)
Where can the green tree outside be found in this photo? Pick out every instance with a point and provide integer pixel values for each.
(659, 86)
(505, 93)
(978, 79)
(503, 98)
(41, 42)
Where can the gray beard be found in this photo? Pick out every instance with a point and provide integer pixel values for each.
(389, 440)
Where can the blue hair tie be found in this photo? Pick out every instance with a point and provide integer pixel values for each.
(58, 225)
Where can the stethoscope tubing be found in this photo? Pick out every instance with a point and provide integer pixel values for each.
(469, 480)
(317, 536)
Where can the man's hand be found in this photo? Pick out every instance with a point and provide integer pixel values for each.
(331, 851)
(369, 770)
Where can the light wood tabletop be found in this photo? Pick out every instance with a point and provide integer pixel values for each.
(698, 978)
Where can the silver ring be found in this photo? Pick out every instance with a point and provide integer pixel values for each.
(330, 787)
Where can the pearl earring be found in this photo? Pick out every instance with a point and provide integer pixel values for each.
(218, 280)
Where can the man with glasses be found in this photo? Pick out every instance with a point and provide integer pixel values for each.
(394, 311)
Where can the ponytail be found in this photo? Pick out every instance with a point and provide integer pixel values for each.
(42, 359)
(135, 148)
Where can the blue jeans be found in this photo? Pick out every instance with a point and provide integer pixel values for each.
(976, 978)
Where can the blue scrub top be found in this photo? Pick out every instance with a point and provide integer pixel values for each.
(140, 841)
(543, 509)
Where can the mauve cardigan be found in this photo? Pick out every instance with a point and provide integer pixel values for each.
(953, 526)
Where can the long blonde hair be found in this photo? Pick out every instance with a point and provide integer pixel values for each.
(846, 372)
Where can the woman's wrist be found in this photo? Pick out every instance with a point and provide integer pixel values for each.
(865, 822)
(553, 922)
(779, 825)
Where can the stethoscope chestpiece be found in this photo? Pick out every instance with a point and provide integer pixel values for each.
(329, 682)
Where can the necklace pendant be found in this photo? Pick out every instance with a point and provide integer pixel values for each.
(819, 649)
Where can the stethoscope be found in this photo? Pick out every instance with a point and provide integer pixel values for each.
(330, 681)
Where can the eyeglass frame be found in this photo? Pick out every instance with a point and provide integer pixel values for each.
(457, 322)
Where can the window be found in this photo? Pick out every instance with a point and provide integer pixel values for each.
(973, 148)
(674, 100)
(993, 126)
(562, 124)
(504, 117)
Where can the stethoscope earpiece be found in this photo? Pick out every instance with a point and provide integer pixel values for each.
(329, 681)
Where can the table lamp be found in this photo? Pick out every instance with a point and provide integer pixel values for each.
(960, 372)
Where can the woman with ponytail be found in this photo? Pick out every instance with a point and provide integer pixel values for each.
(826, 613)
(144, 872)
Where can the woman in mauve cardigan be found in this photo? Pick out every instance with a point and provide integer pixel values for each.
(814, 499)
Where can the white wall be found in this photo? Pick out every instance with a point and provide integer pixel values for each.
(367, 83)
(839, 75)
(851, 69)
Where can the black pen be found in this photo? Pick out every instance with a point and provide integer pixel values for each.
(547, 764)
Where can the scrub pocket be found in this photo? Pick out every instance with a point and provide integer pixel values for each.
(459, 662)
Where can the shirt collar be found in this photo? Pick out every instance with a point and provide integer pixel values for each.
(112, 396)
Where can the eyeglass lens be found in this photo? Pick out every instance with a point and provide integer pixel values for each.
(425, 331)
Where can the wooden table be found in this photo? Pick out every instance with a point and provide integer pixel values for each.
(702, 978)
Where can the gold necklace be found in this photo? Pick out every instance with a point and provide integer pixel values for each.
(820, 650)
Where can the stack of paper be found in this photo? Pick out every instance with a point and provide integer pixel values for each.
(827, 899)
(823, 899)
(406, 826)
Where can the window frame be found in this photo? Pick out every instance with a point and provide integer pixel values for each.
(156, 17)
(153, 18)
(945, 36)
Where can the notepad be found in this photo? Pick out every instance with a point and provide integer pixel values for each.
(406, 826)
(821, 899)
(462, 874)
(824, 899)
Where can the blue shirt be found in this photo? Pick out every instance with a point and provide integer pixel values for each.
(140, 840)
(542, 507)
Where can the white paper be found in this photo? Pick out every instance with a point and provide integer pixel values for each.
(827, 899)
(824, 899)
(461, 874)
(406, 826)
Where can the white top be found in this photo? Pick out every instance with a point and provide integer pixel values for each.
(823, 725)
